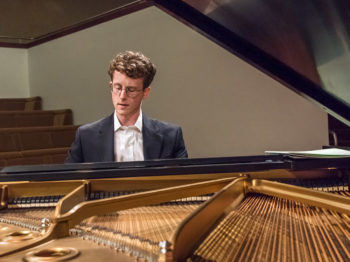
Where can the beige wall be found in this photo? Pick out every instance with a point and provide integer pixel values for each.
(225, 106)
(14, 72)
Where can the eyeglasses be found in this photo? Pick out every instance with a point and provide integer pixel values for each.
(129, 91)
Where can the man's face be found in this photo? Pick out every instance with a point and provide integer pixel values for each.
(127, 95)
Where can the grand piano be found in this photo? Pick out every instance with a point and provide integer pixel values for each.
(281, 207)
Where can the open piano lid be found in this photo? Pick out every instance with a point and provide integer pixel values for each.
(304, 45)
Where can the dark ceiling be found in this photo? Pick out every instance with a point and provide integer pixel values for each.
(24, 23)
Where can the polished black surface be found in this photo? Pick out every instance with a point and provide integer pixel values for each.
(154, 168)
(304, 45)
(143, 168)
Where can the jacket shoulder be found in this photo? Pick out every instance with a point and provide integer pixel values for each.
(161, 124)
(97, 125)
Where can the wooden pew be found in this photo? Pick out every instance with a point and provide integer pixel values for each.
(34, 157)
(29, 138)
(35, 118)
(25, 104)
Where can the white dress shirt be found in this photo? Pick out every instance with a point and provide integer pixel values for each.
(128, 141)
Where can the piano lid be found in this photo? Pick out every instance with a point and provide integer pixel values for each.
(303, 44)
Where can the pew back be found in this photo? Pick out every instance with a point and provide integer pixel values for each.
(29, 138)
(35, 118)
(25, 104)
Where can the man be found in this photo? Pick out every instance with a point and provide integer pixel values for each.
(128, 134)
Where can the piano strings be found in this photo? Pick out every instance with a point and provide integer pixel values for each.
(266, 228)
(260, 228)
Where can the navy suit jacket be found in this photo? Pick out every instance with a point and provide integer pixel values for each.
(95, 142)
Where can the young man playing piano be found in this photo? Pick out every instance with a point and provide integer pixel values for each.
(128, 134)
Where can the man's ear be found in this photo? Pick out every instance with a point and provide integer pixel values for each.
(110, 83)
(146, 92)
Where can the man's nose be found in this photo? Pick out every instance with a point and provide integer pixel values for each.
(123, 93)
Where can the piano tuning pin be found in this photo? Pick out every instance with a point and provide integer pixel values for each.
(164, 246)
(244, 175)
(45, 224)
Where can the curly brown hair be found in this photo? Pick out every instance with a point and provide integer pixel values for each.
(134, 65)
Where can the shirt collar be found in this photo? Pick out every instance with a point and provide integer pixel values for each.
(138, 123)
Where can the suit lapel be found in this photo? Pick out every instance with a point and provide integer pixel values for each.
(106, 140)
(152, 140)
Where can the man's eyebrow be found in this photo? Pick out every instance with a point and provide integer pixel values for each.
(118, 84)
